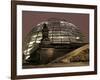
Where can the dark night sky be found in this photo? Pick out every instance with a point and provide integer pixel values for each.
(31, 18)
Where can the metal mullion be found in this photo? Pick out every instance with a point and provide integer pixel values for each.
(52, 33)
(68, 34)
(60, 32)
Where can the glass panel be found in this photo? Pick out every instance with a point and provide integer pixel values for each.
(33, 39)
(39, 33)
(62, 32)
(38, 41)
(56, 39)
(31, 42)
(56, 32)
(72, 39)
(56, 42)
(38, 38)
(65, 39)
(39, 28)
(34, 35)
(50, 32)
(50, 35)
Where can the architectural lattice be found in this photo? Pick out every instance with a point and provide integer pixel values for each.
(59, 32)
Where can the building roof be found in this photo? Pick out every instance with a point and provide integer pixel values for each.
(59, 32)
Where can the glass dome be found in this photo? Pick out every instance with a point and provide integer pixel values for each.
(59, 32)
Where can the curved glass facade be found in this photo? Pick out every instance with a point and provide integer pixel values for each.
(59, 32)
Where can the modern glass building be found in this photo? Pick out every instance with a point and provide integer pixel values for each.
(59, 32)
